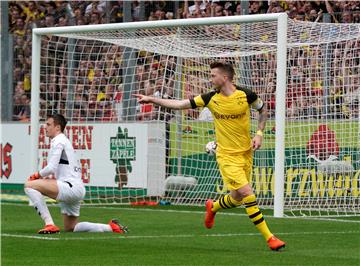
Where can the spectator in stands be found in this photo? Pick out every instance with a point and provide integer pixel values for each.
(159, 14)
(31, 10)
(50, 91)
(312, 15)
(256, 7)
(27, 83)
(315, 107)
(62, 22)
(19, 89)
(77, 116)
(116, 12)
(16, 106)
(91, 104)
(18, 74)
(80, 21)
(272, 5)
(169, 15)
(356, 17)
(20, 27)
(228, 11)
(159, 86)
(78, 13)
(346, 17)
(95, 18)
(217, 9)
(238, 10)
(50, 8)
(95, 6)
(14, 15)
(49, 21)
(22, 109)
(60, 8)
(79, 101)
(118, 103)
(145, 111)
(109, 113)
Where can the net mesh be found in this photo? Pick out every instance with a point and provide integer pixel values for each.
(89, 77)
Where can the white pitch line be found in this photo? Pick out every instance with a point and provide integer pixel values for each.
(31, 237)
(326, 219)
(225, 213)
(317, 218)
(124, 237)
(157, 210)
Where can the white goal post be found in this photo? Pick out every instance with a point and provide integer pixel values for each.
(171, 58)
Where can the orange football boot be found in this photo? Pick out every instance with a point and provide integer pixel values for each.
(275, 243)
(49, 229)
(118, 228)
(210, 215)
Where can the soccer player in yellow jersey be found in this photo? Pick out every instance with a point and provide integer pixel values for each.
(230, 106)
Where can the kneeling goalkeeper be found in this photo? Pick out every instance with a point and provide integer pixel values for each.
(67, 187)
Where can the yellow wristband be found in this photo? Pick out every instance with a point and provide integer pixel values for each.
(259, 132)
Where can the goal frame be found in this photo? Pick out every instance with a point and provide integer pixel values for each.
(280, 18)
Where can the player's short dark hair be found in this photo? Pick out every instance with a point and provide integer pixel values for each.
(225, 67)
(59, 120)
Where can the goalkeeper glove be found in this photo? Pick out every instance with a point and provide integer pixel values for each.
(34, 176)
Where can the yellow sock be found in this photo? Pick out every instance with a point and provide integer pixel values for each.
(225, 202)
(256, 216)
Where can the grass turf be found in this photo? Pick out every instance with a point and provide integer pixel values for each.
(169, 235)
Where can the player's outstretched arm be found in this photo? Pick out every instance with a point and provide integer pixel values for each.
(167, 103)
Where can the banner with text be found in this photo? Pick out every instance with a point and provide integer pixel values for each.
(110, 155)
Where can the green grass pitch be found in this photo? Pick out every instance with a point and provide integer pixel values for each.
(170, 235)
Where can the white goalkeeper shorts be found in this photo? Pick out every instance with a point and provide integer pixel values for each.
(71, 193)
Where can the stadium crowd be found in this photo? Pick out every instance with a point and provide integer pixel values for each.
(97, 97)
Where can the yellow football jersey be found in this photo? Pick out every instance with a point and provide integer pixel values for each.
(231, 117)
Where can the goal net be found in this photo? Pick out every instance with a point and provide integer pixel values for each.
(140, 153)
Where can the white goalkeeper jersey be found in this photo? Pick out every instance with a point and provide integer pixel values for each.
(62, 161)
